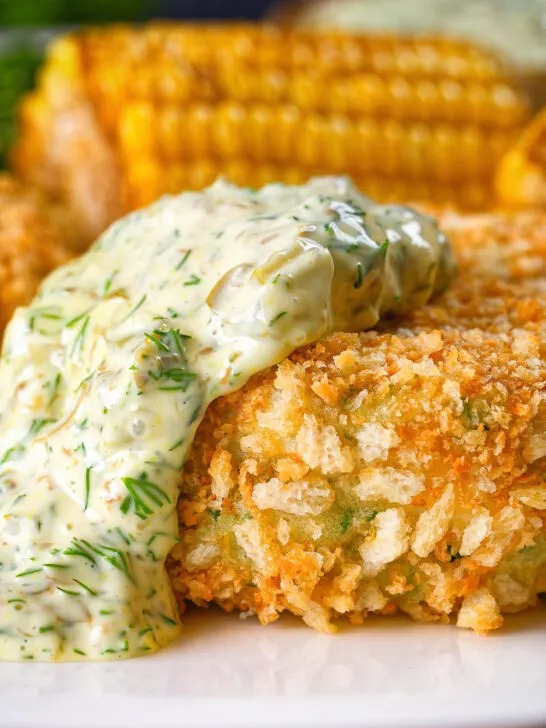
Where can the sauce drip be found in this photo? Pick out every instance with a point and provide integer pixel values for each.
(105, 378)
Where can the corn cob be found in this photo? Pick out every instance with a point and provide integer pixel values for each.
(147, 180)
(521, 174)
(122, 115)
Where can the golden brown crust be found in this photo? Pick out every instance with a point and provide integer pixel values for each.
(31, 245)
(402, 468)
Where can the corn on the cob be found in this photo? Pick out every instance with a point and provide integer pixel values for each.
(521, 174)
(146, 180)
(512, 28)
(122, 115)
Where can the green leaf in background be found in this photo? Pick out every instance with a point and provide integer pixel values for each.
(17, 72)
(25, 29)
(60, 12)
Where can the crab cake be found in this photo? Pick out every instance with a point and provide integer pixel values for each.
(401, 469)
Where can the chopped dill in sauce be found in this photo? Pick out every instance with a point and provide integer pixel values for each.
(105, 377)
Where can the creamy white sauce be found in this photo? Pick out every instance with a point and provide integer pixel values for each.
(106, 376)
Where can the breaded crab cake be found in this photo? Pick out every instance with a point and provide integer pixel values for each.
(398, 469)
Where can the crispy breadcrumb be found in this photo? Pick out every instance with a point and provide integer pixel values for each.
(398, 469)
(32, 243)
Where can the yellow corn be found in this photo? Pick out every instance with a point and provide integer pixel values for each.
(521, 174)
(122, 115)
(147, 180)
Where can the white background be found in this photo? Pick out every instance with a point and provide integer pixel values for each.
(225, 673)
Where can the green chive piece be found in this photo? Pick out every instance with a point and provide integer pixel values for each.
(87, 487)
(193, 280)
(28, 572)
(184, 259)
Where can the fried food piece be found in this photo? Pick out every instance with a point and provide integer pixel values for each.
(31, 245)
(399, 469)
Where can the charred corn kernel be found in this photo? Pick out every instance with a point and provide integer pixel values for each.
(176, 105)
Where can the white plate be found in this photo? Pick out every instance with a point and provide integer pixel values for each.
(227, 673)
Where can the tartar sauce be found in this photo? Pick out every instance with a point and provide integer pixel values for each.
(105, 377)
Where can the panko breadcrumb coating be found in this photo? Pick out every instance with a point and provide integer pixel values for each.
(398, 469)
(31, 245)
